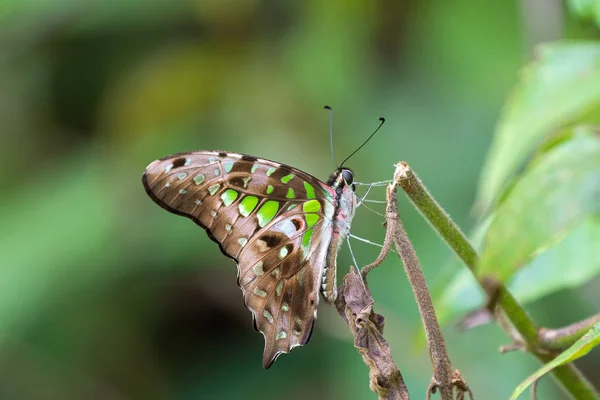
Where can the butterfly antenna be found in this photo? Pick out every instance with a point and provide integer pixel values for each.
(365, 142)
(331, 134)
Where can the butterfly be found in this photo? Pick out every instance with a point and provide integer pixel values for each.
(282, 226)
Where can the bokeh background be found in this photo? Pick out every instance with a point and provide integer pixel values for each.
(103, 295)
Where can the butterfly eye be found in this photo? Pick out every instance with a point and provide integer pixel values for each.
(348, 176)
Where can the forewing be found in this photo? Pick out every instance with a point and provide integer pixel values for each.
(274, 220)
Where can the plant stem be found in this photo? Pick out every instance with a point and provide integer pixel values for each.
(568, 376)
(445, 378)
(442, 366)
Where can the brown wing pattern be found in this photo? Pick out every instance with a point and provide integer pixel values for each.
(274, 220)
(281, 285)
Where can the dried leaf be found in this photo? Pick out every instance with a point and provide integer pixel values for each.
(355, 305)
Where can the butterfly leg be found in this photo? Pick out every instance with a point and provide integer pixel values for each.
(362, 199)
(352, 254)
(355, 262)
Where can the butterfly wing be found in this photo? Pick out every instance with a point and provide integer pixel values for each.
(273, 220)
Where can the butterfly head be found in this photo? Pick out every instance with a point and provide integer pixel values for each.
(342, 179)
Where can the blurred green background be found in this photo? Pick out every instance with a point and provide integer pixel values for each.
(103, 295)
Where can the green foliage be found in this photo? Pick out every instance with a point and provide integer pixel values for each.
(541, 225)
(557, 196)
(548, 201)
(579, 349)
(542, 234)
(560, 87)
(588, 9)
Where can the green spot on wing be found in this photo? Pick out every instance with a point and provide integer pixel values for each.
(310, 190)
(227, 165)
(281, 335)
(247, 205)
(229, 196)
(311, 206)
(270, 171)
(311, 219)
(268, 316)
(269, 189)
(181, 175)
(290, 194)
(198, 179)
(283, 252)
(258, 268)
(254, 168)
(306, 238)
(213, 189)
(287, 178)
(266, 212)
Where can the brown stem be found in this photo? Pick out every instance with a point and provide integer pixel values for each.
(385, 249)
(442, 366)
(445, 379)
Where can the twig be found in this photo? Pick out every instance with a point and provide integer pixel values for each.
(561, 338)
(445, 378)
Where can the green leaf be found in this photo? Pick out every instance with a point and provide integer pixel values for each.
(570, 263)
(553, 197)
(579, 349)
(587, 9)
(583, 8)
(557, 89)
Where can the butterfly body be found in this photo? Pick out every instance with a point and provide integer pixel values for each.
(282, 226)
